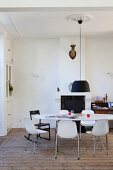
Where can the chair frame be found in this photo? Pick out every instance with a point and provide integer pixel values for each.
(98, 139)
(33, 132)
(34, 141)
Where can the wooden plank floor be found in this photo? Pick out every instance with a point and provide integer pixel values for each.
(14, 157)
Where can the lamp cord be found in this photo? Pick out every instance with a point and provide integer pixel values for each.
(80, 51)
(80, 22)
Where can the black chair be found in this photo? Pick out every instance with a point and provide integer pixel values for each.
(40, 125)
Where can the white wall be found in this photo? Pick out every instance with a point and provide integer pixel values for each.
(99, 62)
(49, 60)
(35, 76)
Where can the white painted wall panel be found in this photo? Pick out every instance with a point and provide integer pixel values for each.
(35, 77)
(40, 66)
(99, 62)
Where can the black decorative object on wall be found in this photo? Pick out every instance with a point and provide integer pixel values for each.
(58, 89)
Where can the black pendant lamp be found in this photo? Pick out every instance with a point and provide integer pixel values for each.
(80, 86)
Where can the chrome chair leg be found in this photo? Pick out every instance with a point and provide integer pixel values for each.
(94, 146)
(56, 146)
(78, 148)
(27, 146)
(107, 148)
(106, 142)
(80, 132)
(99, 140)
(34, 147)
(37, 140)
(49, 133)
(28, 143)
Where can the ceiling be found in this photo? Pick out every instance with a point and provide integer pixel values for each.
(53, 23)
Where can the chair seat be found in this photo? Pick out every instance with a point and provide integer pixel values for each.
(41, 131)
(37, 131)
(87, 123)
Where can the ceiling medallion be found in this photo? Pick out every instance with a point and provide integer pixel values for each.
(77, 17)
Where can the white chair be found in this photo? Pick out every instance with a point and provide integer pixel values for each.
(100, 129)
(86, 123)
(62, 113)
(39, 124)
(31, 130)
(66, 129)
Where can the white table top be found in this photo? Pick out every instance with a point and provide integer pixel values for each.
(76, 117)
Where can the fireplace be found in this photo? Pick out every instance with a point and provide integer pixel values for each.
(76, 103)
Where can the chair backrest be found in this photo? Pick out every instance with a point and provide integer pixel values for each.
(66, 129)
(63, 112)
(29, 126)
(100, 128)
(87, 112)
(34, 112)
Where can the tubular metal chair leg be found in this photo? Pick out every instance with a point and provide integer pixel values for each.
(78, 148)
(80, 132)
(94, 146)
(56, 148)
(96, 142)
(99, 140)
(34, 143)
(105, 147)
(49, 133)
(106, 142)
(28, 143)
(28, 137)
(34, 146)
(37, 140)
(101, 143)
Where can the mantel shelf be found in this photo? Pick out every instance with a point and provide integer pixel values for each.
(86, 94)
